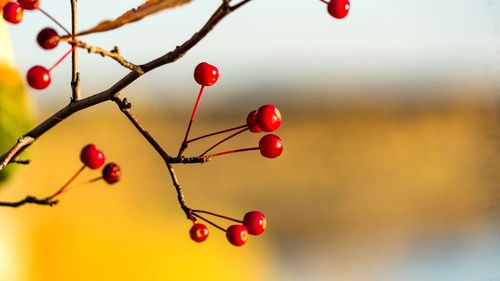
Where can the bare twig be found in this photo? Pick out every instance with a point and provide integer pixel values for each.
(113, 94)
(114, 54)
(75, 76)
(30, 200)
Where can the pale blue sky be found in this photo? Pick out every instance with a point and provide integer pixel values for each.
(287, 42)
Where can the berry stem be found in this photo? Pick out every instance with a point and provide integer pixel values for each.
(193, 115)
(222, 141)
(208, 221)
(61, 59)
(55, 21)
(217, 133)
(231, 151)
(324, 1)
(216, 215)
(65, 186)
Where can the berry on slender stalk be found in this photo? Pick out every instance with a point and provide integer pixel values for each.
(48, 38)
(270, 146)
(268, 117)
(29, 4)
(198, 232)
(237, 234)
(252, 123)
(92, 157)
(339, 8)
(206, 74)
(38, 77)
(13, 12)
(255, 222)
(111, 173)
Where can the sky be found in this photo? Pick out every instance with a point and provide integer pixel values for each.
(285, 43)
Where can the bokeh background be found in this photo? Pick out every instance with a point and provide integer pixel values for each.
(391, 131)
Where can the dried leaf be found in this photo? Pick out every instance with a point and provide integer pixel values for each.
(149, 7)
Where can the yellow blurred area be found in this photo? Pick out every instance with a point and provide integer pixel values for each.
(356, 186)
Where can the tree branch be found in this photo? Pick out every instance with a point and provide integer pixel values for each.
(114, 54)
(113, 94)
(30, 200)
(75, 76)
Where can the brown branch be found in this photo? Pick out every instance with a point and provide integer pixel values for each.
(113, 94)
(30, 200)
(75, 76)
(114, 54)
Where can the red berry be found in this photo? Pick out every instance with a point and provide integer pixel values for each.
(92, 157)
(198, 232)
(48, 38)
(339, 8)
(111, 173)
(252, 123)
(255, 222)
(206, 74)
(268, 117)
(29, 4)
(237, 234)
(13, 12)
(38, 77)
(270, 146)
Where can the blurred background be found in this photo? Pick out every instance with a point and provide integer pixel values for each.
(391, 134)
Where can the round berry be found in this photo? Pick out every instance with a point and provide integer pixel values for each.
(270, 146)
(92, 157)
(48, 38)
(13, 12)
(198, 232)
(111, 173)
(255, 222)
(29, 4)
(38, 77)
(237, 234)
(339, 8)
(252, 123)
(206, 74)
(268, 117)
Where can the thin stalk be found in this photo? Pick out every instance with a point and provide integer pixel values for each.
(231, 151)
(55, 21)
(193, 115)
(61, 59)
(216, 215)
(222, 141)
(208, 221)
(65, 186)
(217, 133)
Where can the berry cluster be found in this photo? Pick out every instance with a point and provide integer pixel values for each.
(253, 223)
(38, 76)
(266, 118)
(93, 158)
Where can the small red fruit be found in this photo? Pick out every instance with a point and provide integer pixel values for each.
(237, 234)
(268, 117)
(29, 4)
(48, 38)
(92, 157)
(111, 173)
(270, 146)
(38, 77)
(252, 123)
(198, 232)
(13, 12)
(206, 74)
(255, 222)
(339, 8)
